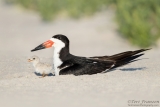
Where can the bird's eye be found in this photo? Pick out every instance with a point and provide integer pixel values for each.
(33, 58)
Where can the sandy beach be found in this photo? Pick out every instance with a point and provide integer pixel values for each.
(22, 30)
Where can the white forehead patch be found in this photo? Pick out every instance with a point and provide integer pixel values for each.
(57, 43)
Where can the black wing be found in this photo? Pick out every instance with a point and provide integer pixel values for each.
(100, 57)
(82, 66)
(98, 64)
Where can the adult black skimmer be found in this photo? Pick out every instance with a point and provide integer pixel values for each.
(66, 63)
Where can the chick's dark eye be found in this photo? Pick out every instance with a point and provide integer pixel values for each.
(34, 58)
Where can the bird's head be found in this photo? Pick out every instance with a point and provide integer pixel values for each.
(34, 59)
(57, 41)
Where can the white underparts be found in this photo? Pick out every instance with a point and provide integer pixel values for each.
(58, 45)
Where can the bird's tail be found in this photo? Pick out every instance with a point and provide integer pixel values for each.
(126, 61)
(126, 57)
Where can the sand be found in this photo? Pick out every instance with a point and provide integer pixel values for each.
(21, 31)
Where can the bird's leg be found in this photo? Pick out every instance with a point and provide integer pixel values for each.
(43, 75)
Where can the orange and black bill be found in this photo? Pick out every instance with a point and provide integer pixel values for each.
(44, 45)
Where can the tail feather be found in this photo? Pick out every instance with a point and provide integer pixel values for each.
(119, 56)
(125, 55)
(126, 61)
(124, 58)
(121, 59)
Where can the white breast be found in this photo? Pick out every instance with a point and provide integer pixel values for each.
(58, 45)
(57, 62)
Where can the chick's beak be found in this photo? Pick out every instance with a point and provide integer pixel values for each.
(29, 60)
(44, 45)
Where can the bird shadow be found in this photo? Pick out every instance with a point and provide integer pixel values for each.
(133, 69)
(129, 69)
(38, 74)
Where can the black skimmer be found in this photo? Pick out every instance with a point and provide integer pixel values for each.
(41, 68)
(66, 63)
